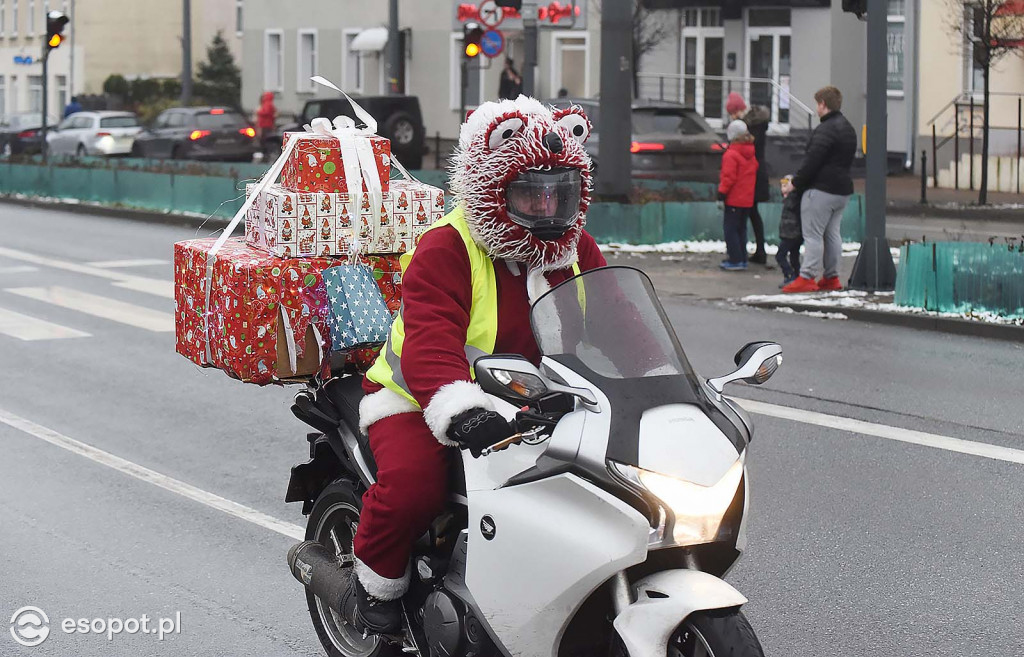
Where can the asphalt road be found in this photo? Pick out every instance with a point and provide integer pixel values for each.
(858, 545)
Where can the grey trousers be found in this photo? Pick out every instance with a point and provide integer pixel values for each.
(820, 216)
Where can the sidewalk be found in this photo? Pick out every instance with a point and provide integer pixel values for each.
(903, 198)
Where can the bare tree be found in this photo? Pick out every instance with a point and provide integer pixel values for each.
(649, 30)
(991, 29)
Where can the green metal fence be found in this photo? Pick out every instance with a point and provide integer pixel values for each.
(962, 277)
(218, 190)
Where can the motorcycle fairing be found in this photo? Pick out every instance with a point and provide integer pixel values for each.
(680, 440)
(553, 542)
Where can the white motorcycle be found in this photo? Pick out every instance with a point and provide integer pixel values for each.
(605, 530)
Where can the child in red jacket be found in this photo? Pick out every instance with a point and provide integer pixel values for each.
(736, 190)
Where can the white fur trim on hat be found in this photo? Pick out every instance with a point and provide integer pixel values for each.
(450, 400)
(381, 404)
(382, 588)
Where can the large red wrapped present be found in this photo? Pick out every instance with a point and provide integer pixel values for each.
(260, 318)
(316, 164)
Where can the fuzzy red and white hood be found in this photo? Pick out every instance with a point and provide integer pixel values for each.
(497, 143)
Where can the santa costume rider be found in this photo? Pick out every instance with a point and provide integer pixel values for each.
(521, 181)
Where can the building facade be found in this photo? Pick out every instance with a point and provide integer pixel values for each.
(345, 42)
(133, 38)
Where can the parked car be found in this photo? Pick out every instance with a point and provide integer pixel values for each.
(398, 118)
(94, 133)
(22, 133)
(198, 133)
(669, 141)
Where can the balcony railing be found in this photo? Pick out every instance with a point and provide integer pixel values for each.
(708, 94)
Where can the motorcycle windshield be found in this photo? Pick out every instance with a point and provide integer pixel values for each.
(609, 320)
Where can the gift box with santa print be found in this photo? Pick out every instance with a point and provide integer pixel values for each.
(289, 224)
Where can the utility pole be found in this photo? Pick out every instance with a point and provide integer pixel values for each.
(186, 52)
(529, 14)
(874, 269)
(394, 52)
(613, 174)
(71, 44)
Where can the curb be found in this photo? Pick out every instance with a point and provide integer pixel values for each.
(966, 213)
(136, 214)
(907, 320)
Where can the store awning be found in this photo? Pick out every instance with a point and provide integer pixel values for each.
(370, 40)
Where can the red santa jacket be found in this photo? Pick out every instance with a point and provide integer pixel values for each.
(739, 175)
(437, 295)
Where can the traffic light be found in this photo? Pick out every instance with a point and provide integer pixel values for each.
(471, 35)
(55, 22)
(858, 7)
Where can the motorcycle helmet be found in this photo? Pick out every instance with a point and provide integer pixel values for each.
(545, 201)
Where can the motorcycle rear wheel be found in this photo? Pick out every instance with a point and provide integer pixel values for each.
(332, 523)
(715, 633)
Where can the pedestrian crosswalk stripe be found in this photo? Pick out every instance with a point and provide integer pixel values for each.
(150, 286)
(28, 328)
(14, 254)
(117, 264)
(18, 269)
(92, 304)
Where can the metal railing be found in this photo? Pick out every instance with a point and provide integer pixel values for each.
(952, 116)
(708, 94)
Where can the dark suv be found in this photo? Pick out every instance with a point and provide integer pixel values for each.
(398, 118)
(198, 133)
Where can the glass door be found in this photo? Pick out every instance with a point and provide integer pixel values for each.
(769, 62)
(703, 63)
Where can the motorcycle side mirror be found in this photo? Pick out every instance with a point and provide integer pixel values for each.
(514, 377)
(756, 361)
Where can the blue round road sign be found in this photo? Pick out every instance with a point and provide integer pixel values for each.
(492, 43)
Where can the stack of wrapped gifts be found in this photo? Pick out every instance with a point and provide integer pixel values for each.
(257, 306)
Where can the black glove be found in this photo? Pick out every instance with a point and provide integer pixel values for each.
(477, 429)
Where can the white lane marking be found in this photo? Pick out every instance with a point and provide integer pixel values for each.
(18, 269)
(118, 311)
(150, 286)
(28, 328)
(142, 473)
(935, 440)
(117, 264)
(71, 266)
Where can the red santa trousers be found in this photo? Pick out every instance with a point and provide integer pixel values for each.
(411, 490)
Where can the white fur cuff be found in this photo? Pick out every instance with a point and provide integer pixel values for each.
(450, 400)
(382, 588)
(381, 404)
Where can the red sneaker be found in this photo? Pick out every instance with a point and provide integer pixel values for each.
(830, 283)
(801, 284)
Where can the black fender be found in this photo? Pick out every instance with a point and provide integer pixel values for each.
(310, 478)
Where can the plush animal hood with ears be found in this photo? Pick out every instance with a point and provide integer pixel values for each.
(497, 143)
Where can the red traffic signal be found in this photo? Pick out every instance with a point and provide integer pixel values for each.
(55, 22)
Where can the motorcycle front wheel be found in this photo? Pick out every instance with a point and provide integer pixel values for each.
(332, 523)
(715, 633)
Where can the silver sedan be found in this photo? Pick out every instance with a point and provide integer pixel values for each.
(94, 133)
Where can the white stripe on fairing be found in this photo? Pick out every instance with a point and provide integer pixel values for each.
(150, 286)
(18, 269)
(985, 450)
(117, 264)
(28, 328)
(92, 304)
(142, 473)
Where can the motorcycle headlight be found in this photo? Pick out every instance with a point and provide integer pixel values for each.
(692, 513)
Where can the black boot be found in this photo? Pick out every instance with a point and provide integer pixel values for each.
(759, 257)
(367, 613)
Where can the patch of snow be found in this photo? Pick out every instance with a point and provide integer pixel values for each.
(810, 313)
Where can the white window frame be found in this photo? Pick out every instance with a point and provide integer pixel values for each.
(13, 87)
(33, 91)
(46, 17)
(890, 20)
(455, 74)
(3, 18)
(239, 17)
(303, 84)
(14, 18)
(60, 87)
(31, 18)
(967, 61)
(347, 36)
(3, 98)
(556, 59)
(268, 84)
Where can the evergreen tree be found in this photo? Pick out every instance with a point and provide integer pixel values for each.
(219, 78)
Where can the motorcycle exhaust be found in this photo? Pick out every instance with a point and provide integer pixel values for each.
(320, 571)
